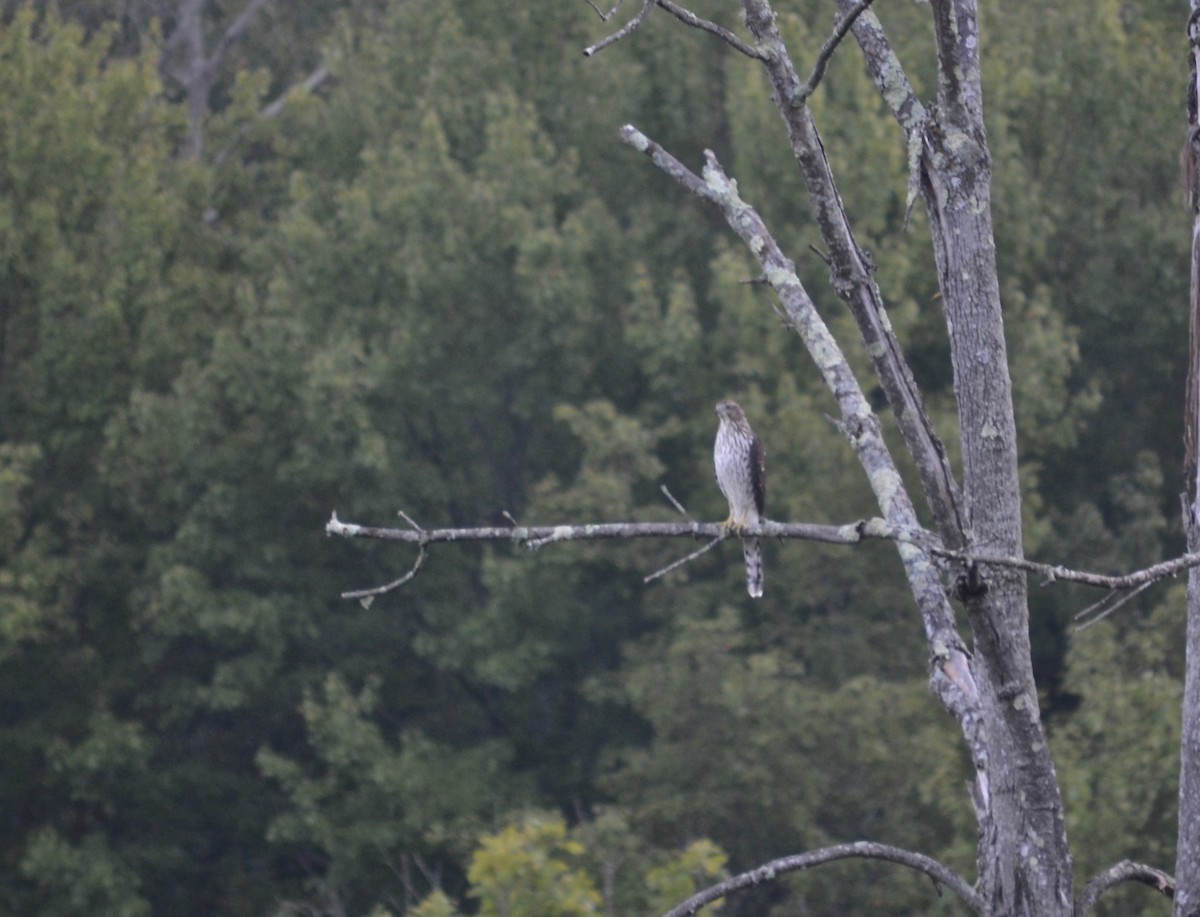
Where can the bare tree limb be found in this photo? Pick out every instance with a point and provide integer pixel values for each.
(853, 280)
(827, 49)
(197, 71)
(851, 533)
(1054, 573)
(234, 32)
(675, 565)
(622, 32)
(1106, 607)
(687, 17)
(941, 875)
(536, 536)
(859, 425)
(310, 83)
(604, 17)
(684, 15)
(886, 70)
(368, 594)
(1124, 871)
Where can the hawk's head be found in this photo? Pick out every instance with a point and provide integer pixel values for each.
(731, 411)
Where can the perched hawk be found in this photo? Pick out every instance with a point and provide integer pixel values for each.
(741, 466)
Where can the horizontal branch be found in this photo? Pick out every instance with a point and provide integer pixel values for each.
(1124, 871)
(850, 533)
(941, 875)
(537, 536)
(1055, 573)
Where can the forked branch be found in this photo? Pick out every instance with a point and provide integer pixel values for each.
(684, 15)
(940, 874)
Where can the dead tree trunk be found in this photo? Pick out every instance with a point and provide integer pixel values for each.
(1187, 862)
(186, 59)
(1025, 867)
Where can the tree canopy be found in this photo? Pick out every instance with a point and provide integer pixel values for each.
(438, 283)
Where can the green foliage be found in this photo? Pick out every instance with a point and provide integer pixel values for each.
(525, 870)
(685, 874)
(84, 878)
(442, 286)
(1118, 753)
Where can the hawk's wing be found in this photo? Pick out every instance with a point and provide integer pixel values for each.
(758, 474)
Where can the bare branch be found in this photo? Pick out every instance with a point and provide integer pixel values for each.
(1107, 607)
(622, 32)
(539, 535)
(886, 70)
(853, 280)
(687, 17)
(234, 32)
(309, 84)
(1055, 573)
(858, 422)
(873, 529)
(679, 506)
(941, 875)
(604, 17)
(827, 49)
(1124, 871)
(674, 565)
(366, 595)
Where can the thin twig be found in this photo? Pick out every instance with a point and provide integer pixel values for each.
(367, 595)
(403, 515)
(827, 49)
(622, 32)
(1128, 597)
(940, 874)
(679, 506)
(604, 17)
(687, 17)
(1124, 871)
(683, 560)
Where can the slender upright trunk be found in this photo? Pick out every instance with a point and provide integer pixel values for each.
(1187, 863)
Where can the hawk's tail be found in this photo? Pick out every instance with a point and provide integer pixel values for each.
(752, 552)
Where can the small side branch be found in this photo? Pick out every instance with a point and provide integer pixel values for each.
(687, 17)
(625, 30)
(1124, 871)
(941, 875)
(684, 15)
(827, 49)
(366, 596)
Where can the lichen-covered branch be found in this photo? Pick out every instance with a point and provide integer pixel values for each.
(1124, 871)
(866, 850)
(852, 277)
(851, 533)
(536, 536)
(858, 424)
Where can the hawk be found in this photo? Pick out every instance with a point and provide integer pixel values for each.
(741, 466)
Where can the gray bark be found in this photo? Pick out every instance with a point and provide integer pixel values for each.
(1187, 863)
(1025, 867)
(185, 58)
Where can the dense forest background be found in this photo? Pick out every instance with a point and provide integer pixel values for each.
(439, 283)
